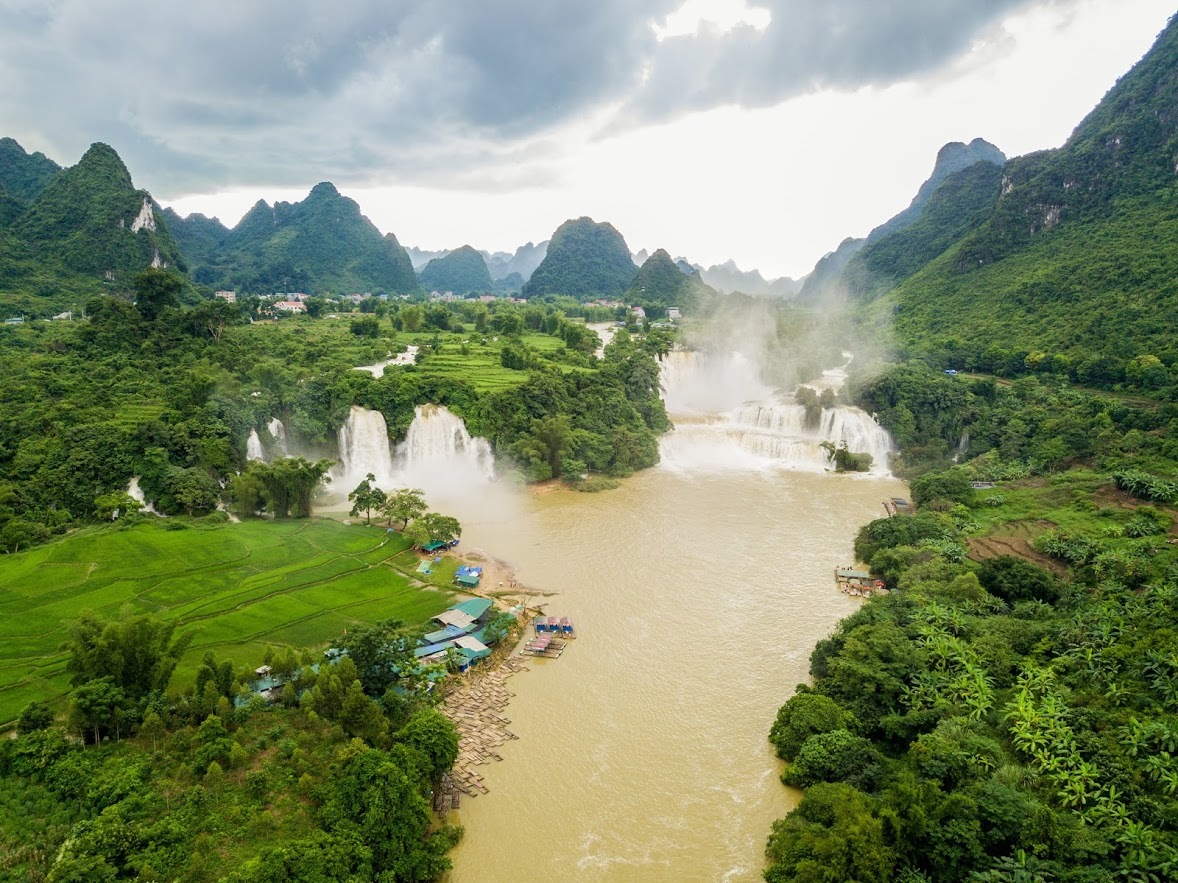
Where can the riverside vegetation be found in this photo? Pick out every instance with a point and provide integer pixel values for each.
(1009, 711)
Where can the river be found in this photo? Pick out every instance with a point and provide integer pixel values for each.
(698, 594)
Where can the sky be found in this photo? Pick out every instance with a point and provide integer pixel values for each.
(763, 131)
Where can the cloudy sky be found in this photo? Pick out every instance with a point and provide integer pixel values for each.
(759, 130)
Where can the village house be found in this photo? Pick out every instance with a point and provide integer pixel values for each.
(230, 297)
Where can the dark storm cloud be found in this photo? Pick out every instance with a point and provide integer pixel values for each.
(214, 93)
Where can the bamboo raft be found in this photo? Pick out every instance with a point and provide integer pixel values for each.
(544, 646)
(476, 712)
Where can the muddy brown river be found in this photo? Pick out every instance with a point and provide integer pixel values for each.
(698, 593)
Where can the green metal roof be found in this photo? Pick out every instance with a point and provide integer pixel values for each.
(475, 607)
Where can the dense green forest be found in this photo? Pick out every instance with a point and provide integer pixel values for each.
(462, 270)
(585, 260)
(1007, 712)
(210, 782)
(322, 244)
(170, 394)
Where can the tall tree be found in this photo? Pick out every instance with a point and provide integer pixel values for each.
(405, 505)
(367, 497)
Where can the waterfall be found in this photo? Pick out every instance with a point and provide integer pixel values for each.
(363, 448)
(253, 447)
(748, 426)
(278, 433)
(439, 452)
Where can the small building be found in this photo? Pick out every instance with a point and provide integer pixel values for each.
(230, 297)
(638, 312)
(290, 306)
(262, 671)
(674, 313)
(455, 618)
(15, 320)
(478, 609)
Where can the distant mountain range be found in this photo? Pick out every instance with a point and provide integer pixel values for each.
(500, 265)
(323, 243)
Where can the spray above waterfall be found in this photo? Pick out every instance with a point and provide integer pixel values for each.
(726, 417)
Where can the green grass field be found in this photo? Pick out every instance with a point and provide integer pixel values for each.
(239, 586)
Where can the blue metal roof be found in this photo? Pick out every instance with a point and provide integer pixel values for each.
(431, 649)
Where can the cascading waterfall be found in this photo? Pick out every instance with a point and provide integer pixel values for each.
(726, 417)
(363, 448)
(439, 453)
(253, 447)
(278, 433)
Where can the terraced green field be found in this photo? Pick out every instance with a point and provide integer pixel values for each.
(240, 586)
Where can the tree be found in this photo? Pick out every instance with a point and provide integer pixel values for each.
(805, 714)
(36, 716)
(96, 707)
(138, 654)
(369, 326)
(106, 505)
(380, 652)
(430, 732)
(433, 528)
(405, 505)
(365, 498)
(152, 728)
(155, 291)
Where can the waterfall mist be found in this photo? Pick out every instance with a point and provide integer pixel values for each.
(454, 469)
(727, 417)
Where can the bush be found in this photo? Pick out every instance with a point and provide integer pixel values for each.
(806, 714)
(837, 756)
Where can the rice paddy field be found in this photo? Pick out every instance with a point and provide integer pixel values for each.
(241, 587)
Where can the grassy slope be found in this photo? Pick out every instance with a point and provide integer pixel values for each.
(241, 586)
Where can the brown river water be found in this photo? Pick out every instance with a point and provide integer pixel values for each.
(697, 594)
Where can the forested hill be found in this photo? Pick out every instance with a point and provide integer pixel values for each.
(85, 230)
(460, 271)
(662, 283)
(322, 244)
(24, 175)
(837, 273)
(584, 259)
(1074, 262)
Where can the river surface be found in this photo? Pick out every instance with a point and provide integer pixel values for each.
(697, 597)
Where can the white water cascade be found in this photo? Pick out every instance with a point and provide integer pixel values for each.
(727, 418)
(363, 448)
(278, 433)
(253, 447)
(439, 455)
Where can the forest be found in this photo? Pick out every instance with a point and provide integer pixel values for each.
(170, 394)
(210, 782)
(1008, 711)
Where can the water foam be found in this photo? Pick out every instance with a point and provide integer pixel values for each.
(727, 418)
